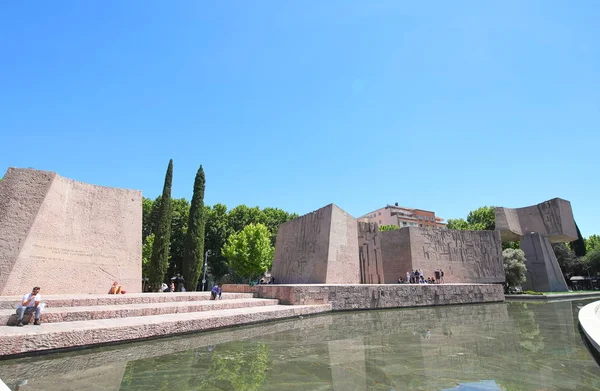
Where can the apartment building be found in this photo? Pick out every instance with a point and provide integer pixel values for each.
(404, 217)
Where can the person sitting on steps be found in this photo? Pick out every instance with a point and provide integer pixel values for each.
(115, 289)
(216, 291)
(31, 303)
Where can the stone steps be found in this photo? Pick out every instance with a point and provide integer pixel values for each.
(81, 313)
(61, 335)
(51, 301)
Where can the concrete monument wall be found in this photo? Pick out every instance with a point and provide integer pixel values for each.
(67, 236)
(536, 227)
(543, 271)
(319, 247)
(464, 256)
(552, 219)
(396, 254)
(369, 254)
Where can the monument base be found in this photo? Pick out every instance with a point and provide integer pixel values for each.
(376, 296)
(543, 271)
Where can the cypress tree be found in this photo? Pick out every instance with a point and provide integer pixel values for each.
(194, 241)
(159, 262)
(578, 246)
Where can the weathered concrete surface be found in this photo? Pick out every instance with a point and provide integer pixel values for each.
(320, 247)
(51, 336)
(52, 301)
(73, 314)
(67, 236)
(543, 271)
(369, 254)
(464, 256)
(396, 255)
(363, 296)
(552, 219)
(536, 227)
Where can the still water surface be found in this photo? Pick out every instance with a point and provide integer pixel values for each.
(508, 346)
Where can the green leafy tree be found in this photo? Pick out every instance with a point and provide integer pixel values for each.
(458, 224)
(272, 218)
(180, 211)
(578, 246)
(162, 231)
(479, 219)
(592, 243)
(482, 218)
(249, 252)
(565, 257)
(388, 227)
(514, 268)
(194, 244)
(216, 233)
(240, 216)
(592, 261)
(147, 254)
(147, 207)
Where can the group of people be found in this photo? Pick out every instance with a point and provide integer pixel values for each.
(417, 277)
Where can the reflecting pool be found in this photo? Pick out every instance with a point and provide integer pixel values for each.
(505, 346)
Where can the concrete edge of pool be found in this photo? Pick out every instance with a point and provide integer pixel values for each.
(295, 300)
(589, 319)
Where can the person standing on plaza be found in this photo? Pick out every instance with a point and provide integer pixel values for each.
(408, 277)
(442, 275)
(31, 302)
(437, 276)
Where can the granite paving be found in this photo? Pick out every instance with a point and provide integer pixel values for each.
(71, 314)
(11, 302)
(53, 336)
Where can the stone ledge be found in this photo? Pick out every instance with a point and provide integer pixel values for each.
(589, 319)
(55, 336)
(554, 296)
(73, 314)
(374, 296)
(11, 302)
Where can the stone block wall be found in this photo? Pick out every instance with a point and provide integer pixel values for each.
(343, 266)
(396, 254)
(552, 218)
(369, 254)
(363, 296)
(74, 237)
(303, 248)
(319, 247)
(464, 256)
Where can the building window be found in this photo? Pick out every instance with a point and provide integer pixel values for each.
(379, 213)
(404, 223)
(420, 217)
(426, 218)
(420, 225)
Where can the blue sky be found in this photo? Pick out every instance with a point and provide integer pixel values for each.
(445, 106)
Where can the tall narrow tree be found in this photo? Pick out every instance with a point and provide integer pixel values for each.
(194, 243)
(578, 246)
(162, 235)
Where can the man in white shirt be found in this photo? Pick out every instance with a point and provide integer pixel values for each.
(31, 303)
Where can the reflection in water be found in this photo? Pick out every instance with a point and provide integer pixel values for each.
(512, 346)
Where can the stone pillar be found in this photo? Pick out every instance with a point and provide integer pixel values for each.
(369, 254)
(543, 272)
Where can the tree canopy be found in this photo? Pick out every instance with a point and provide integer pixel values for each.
(514, 268)
(249, 253)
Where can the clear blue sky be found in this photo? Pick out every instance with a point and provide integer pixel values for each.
(445, 106)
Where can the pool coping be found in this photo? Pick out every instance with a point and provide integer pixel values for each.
(553, 297)
(589, 319)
